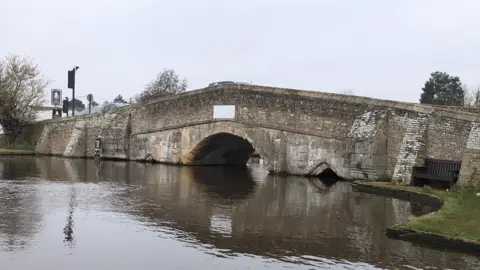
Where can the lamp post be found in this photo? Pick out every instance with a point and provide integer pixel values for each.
(71, 85)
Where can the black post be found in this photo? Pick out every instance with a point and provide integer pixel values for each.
(73, 96)
(71, 84)
(90, 99)
(65, 106)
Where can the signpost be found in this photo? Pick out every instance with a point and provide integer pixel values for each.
(56, 112)
(56, 100)
(98, 147)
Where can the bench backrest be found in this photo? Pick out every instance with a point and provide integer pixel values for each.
(442, 167)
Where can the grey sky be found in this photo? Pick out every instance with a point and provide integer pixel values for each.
(383, 49)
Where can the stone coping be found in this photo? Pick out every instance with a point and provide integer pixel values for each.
(443, 111)
(432, 240)
(446, 111)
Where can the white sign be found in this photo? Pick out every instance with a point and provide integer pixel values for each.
(223, 111)
(56, 97)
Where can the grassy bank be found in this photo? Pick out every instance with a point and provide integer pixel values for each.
(459, 216)
(22, 147)
(19, 149)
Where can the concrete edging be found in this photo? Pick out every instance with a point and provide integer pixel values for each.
(436, 241)
(433, 240)
(405, 195)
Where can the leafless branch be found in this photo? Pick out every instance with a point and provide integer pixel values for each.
(166, 83)
(21, 89)
(472, 96)
(346, 92)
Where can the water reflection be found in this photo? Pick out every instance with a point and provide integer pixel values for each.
(226, 184)
(20, 217)
(211, 213)
(68, 229)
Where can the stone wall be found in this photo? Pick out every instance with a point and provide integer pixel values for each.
(470, 170)
(280, 110)
(299, 132)
(447, 137)
(283, 152)
(75, 136)
(366, 146)
(406, 136)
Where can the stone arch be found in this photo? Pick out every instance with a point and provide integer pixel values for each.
(322, 166)
(221, 149)
(228, 135)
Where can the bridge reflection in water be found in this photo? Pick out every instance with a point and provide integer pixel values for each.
(222, 212)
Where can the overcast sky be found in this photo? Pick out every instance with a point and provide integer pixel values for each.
(377, 48)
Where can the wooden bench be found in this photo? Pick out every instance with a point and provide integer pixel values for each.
(436, 171)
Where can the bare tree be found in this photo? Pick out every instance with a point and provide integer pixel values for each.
(468, 98)
(472, 96)
(21, 89)
(476, 96)
(134, 99)
(346, 92)
(166, 83)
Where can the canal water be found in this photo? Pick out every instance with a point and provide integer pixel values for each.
(80, 214)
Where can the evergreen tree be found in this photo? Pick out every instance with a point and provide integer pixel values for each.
(119, 99)
(443, 89)
(79, 106)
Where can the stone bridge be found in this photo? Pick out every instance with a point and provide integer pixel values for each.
(295, 132)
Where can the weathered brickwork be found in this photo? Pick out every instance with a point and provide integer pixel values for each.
(473, 141)
(55, 138)
(76, 145)
(366, 125)
(298, 132)
(470, 170)
(409, 147)
(366, 146)
(75, 137)
(303, 114)
(283, 152)
(447, 137)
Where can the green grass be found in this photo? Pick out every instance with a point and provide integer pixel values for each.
(25, 147)
(459, 216)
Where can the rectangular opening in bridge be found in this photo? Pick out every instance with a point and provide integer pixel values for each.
(223, 111)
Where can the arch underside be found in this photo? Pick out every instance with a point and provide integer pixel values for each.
(221, 149)
(322, 168)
